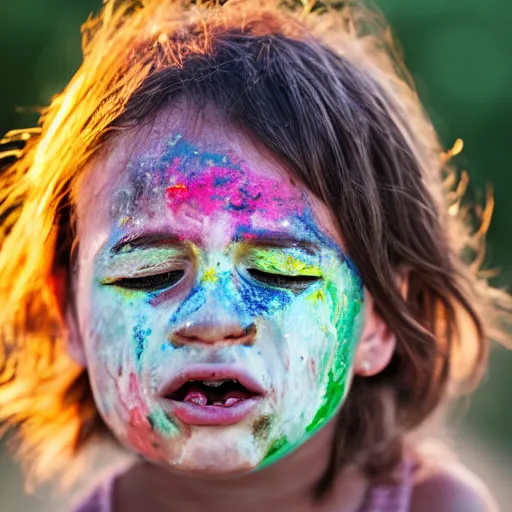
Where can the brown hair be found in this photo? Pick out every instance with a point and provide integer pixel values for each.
(326, 92)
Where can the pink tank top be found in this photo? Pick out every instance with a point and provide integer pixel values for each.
(379, 498)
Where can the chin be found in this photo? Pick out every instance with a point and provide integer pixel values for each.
(218, 451)
(220, 467)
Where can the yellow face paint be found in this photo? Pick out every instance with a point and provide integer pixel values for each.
(288, 261)
(316, 296)
(210, 276)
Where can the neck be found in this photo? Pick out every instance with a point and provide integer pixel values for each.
(287, 485)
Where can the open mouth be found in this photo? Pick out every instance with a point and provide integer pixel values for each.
(211, 395)
(221, 393)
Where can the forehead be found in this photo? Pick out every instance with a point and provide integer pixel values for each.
(182, 161)
(205, 131)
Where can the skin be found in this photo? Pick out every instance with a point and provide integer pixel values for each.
(307, 339)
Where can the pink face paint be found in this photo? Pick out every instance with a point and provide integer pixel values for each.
(231, 189)
(140, 433)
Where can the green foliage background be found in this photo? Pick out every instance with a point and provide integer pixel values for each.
(459, 52)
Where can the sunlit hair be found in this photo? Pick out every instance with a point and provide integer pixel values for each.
(328, 94)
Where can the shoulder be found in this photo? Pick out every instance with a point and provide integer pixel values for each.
(452, 488)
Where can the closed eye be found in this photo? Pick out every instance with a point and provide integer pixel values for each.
(294, 283)
(150, 283)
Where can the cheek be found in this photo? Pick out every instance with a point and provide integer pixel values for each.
(110, 330)
(119, 339)
(109, 360)
(305, 351)
(117, 335)
(343, 302)
(323, 326)
(309, 345)
(320, 332)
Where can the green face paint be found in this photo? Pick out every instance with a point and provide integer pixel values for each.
(336, 306)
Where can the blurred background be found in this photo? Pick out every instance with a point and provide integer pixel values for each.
(459, 54)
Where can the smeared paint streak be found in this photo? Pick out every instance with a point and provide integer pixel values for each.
(276, 451)
(261, 300)
(140, 336)
(316, 296)
(140, 433)
(347, 322)
(225, 187)
(261, 428)
(288, 261)
(163, 423)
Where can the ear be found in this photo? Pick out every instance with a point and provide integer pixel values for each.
(60, 283)
(377, 343)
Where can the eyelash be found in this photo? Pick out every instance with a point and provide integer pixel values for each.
(168, 279)
(151, 283)
(295, 283)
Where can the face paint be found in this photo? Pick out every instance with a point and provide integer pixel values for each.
(218, 271)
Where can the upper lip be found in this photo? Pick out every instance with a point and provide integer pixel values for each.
(212, 372)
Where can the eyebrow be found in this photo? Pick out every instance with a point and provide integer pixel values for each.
(148, 240)
(277, 240)
(284, 242)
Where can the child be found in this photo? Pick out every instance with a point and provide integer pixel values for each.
(229, 246)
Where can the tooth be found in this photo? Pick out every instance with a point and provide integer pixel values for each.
(213, 383)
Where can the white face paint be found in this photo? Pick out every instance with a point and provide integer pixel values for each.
(218, 313)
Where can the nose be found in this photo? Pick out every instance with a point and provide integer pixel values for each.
(218, 329)
(215, 315)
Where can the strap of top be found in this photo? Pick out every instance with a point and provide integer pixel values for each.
(101, 499)
(391, 497)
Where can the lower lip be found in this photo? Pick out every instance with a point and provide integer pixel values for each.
(210, 415)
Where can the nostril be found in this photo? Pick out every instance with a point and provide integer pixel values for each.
(249, 335)
(243, 337)
(177, 340)
(251, 330)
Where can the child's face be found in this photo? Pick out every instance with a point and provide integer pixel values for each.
(217, 311)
